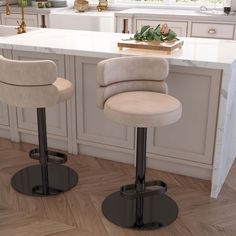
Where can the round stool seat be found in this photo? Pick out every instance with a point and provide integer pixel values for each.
(65, 89)
(143, 109)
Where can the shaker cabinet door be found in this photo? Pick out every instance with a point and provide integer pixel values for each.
(92, 125)
(192, 137)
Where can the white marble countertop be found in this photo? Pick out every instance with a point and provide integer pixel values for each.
(208, 53)
(216, 15)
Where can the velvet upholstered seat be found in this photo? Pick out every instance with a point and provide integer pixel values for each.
(143, 109)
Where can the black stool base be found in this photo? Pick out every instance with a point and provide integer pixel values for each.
(158, 211)
(29, 181)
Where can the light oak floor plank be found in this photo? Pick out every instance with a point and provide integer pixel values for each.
(78, 212)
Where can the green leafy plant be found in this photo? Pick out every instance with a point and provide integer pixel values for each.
(159, 33)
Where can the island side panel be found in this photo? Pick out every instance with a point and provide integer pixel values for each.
(225, 148)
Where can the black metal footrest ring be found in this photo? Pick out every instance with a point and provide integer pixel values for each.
(53, 157)
(130, 192)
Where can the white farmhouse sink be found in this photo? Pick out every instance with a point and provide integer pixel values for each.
(88, 20)
(6, 31)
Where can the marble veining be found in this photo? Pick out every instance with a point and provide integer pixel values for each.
(208, 53)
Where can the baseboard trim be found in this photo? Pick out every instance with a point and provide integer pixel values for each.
(172, 165)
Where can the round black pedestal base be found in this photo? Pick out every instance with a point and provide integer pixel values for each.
(29, 181)
(142, 213)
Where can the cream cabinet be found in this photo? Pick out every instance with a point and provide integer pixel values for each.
(186, 147)
(180, 27)
(192, 137)
(31, 19)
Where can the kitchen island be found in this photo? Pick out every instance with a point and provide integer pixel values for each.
(202, 76)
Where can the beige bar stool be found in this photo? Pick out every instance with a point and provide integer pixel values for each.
(34, 84)
(132, 92)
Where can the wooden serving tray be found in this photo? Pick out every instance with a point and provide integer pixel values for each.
(168, 47)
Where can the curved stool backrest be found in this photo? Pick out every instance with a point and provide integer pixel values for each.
(134, 73)
(21, 80)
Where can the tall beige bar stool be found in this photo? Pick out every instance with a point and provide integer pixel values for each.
(132, 92)
(34, 84)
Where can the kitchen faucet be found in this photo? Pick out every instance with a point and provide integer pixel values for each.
(22, 26)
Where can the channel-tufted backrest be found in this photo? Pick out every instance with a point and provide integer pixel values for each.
(134, 73)
(28, 83)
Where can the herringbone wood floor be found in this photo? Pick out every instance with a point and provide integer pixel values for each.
(78, 212)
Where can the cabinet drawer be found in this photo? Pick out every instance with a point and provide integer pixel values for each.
(179, 27)
(212, 30)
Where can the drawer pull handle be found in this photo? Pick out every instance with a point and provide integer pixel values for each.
(212, 31)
